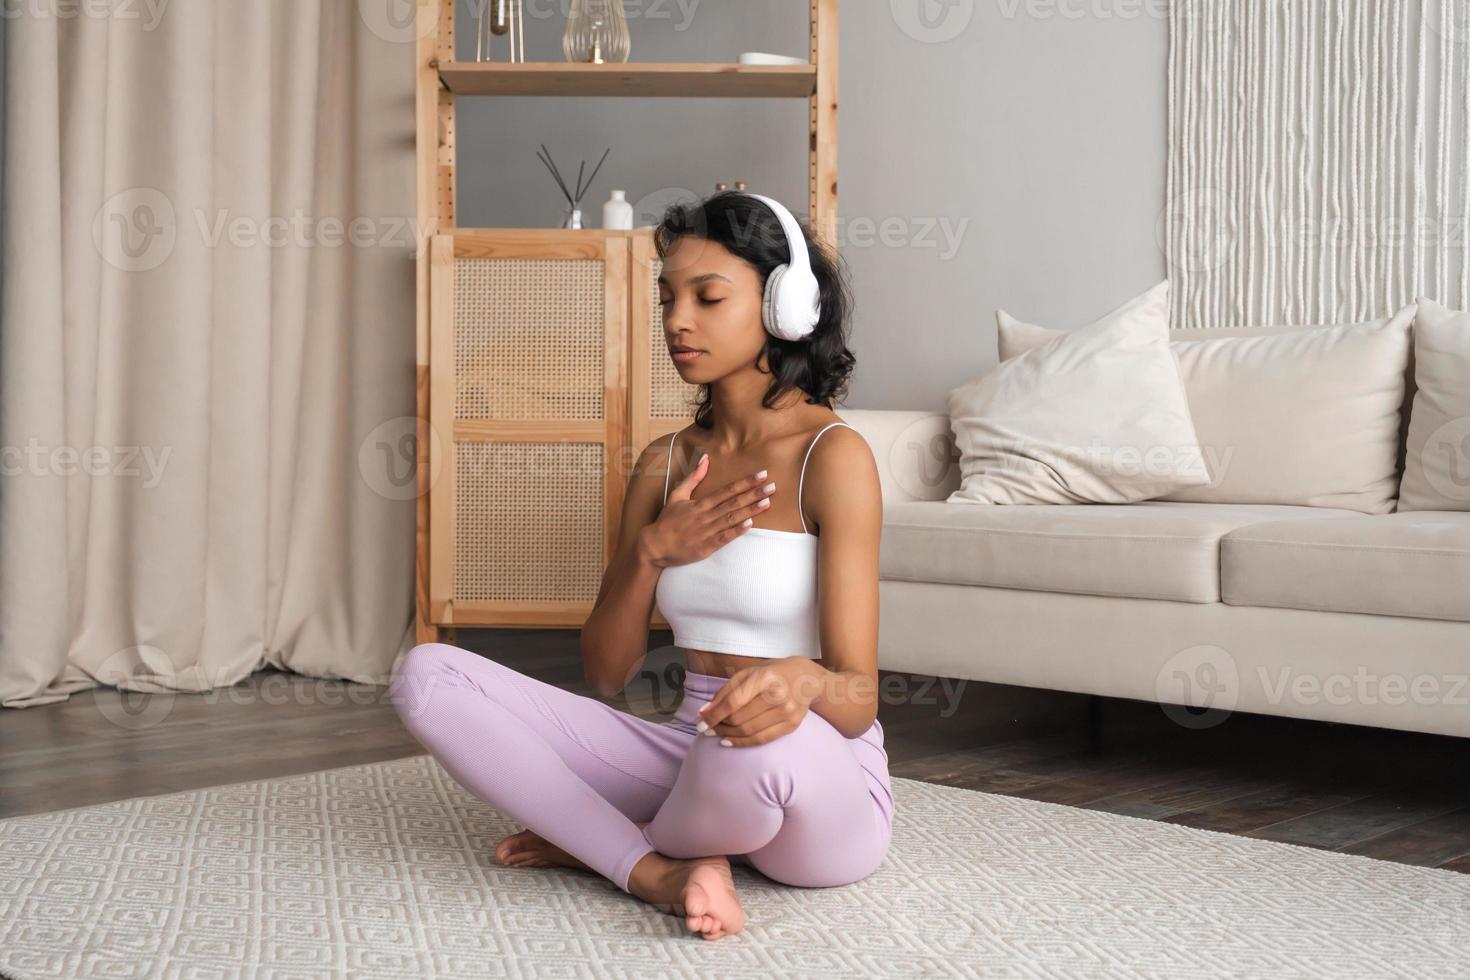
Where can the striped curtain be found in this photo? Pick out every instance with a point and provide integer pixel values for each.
(1317, 159)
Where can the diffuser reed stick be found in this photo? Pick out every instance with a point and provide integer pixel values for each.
(574, 197)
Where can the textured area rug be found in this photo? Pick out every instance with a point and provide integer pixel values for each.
(387, 870)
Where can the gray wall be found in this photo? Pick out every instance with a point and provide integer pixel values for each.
(1017, 163)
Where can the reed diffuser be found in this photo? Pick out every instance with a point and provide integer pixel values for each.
(574, 198)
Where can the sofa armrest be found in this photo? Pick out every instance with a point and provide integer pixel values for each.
(915, 452)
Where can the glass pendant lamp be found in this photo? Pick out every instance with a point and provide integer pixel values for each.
(597, 32)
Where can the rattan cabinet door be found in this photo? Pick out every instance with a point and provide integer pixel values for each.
(528, 401)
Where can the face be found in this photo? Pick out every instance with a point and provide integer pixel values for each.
(711, 301)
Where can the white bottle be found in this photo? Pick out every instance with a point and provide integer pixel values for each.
(617, 212)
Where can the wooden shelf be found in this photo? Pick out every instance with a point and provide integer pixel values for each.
(631, 335)
(666, 80)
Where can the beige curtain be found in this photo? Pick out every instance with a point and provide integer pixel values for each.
(206, 343)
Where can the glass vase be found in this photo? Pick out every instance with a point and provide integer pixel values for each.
(597, 32)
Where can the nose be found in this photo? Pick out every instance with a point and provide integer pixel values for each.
(678, 318)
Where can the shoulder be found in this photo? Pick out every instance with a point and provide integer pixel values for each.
(653, 459)
(838, 444)
(841, 480)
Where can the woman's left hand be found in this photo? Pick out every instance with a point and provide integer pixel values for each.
(760, 704)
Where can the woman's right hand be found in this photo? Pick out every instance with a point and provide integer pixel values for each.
(687, 530)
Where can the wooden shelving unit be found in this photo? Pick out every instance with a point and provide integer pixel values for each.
(643, 80)
(628, 419)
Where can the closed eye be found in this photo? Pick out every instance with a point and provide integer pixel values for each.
(666, 300)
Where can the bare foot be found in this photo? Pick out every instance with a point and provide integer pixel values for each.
(701, 891)
(528, 849)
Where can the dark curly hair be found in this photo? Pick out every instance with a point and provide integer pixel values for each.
(820, 364)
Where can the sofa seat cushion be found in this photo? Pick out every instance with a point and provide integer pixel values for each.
(1149, 550)
(1407, 564)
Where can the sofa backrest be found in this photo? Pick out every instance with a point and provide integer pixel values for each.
(915, 451)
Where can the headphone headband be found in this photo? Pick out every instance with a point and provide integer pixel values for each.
(792, 303)
(795, 241)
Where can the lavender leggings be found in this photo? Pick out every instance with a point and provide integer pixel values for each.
(810, 808)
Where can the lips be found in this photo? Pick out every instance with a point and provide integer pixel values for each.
(684, 356)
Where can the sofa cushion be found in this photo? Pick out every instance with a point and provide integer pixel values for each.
(1439, 426)
(1150, 550)
(1098, 415)
(1292, 415)
(1408, 564)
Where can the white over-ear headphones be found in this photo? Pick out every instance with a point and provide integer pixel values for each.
(793, 299)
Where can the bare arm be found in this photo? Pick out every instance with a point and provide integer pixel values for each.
(843, 494)
(652, 535)
(614, 639)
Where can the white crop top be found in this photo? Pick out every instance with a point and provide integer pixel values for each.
(755, 595)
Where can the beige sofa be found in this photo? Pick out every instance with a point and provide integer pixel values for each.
(1306, 612)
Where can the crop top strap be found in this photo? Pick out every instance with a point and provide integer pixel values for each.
(802, 478)
(669, 469)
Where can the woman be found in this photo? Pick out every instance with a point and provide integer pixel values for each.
(775, 756)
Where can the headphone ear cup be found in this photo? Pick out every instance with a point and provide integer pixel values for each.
(770, 301)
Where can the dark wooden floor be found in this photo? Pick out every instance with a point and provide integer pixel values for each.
(1391, 795)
